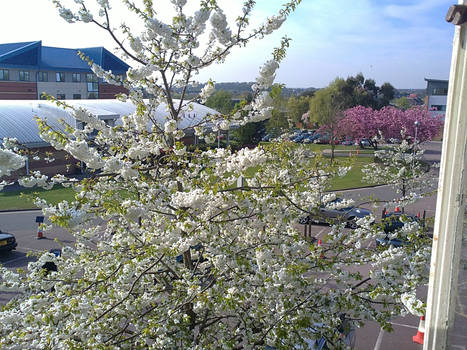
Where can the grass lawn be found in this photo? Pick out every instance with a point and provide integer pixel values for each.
(339, 148)
(23, 199)
(354, 177)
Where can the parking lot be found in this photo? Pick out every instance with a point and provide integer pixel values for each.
(370, 337)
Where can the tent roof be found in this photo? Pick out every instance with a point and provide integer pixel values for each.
(17, 117)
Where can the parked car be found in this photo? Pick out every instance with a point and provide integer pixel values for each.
(346, 333)
(197, 249)
(363, 143)
(394, 141)
(7, 241)
(393, 221)
(299, 138)
(322, 138)
(327, 215)
(347, 142)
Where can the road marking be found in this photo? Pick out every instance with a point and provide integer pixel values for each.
(403, 325)
(27, 249)
(379, 340)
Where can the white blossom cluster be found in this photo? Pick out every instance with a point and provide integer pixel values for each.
(10, 161)
(402, 167)
(220, 26)
(176, 248)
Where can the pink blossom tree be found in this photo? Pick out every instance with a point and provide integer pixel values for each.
(359, 122)
(364, 122)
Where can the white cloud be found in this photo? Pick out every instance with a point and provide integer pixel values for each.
(411, 12)
(330, 38)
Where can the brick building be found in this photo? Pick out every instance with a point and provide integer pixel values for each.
(28, 69)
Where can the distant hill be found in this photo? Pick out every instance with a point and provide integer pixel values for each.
(241, 89)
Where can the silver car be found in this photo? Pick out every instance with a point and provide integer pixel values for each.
(349, 215)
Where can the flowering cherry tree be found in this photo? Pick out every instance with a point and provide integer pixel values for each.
(364, 122)
(402, 167)
(10, 160)
(195, 250)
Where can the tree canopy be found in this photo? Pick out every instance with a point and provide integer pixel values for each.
(364, 122)
(221, 101)
(197, 250)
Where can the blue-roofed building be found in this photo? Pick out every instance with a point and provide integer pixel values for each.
(28, 69)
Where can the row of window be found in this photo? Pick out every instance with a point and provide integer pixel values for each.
(440, 91)
(439, 108)
(91, 95)
(59, 77)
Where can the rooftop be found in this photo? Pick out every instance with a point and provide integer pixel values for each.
(33, 55)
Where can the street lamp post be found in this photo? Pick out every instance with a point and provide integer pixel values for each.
(417, 123)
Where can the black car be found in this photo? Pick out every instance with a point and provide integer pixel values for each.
(392, 222)
(350, 215)
(346, 332)
(7, 241)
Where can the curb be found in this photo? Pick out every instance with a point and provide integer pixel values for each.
(16, 210)
(359, 188)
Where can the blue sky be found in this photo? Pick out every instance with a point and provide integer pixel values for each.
(399, 41)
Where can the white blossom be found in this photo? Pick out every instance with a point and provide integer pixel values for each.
(207, 91)
(220, 27)
(10, 161)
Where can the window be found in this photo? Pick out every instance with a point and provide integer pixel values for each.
(76, 78)
(440, 91)
(60, 77)
(61, 96)
(92, 95)
(92, 83)
(440, 108)
(4, 74)
(76, 96)
(42, 76)
(23, 75)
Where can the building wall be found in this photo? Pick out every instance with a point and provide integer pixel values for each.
(67, 88)
(14, 89)
(108, 91)
(437, 91)
(11, 90)
(437, 104)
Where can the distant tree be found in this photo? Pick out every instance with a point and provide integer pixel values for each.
(327, 108)
(297, 106)
(402, 103)
(364, 92)
(396, 120)
(248, 134)
(221, 101)
(370, 85)
(308, 92)
(360, 122)
(279, 120)
(387, 94)
(364, 122)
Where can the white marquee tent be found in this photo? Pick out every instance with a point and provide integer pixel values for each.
(17, 117)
